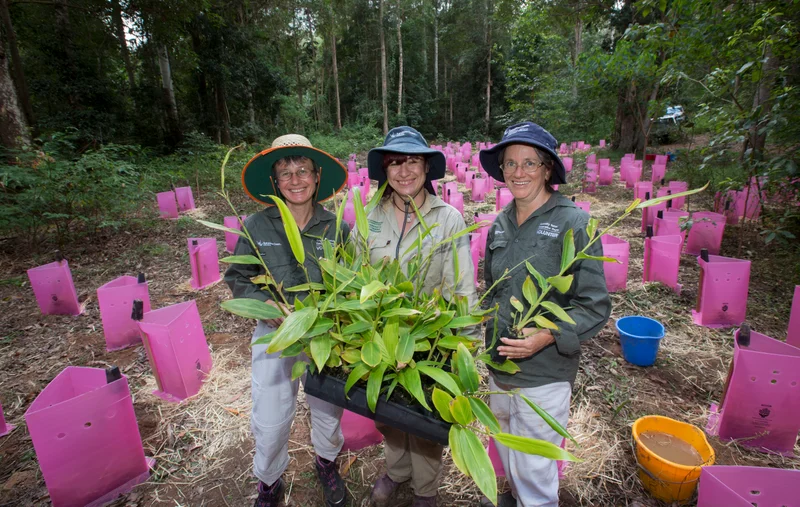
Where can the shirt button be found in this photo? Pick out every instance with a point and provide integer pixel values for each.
(516, 241)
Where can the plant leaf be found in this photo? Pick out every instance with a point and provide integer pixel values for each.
(359, 370)
(291, 230)
(517, 304)
(391, 331)
(507, 366)
(321, 349)
(484, 414)
(539, 278)
(464, 321)
(399, 312)
(461, 410)
(405, 349)
(534, 446)
(251, 309)
(529, 291)
(658, 200)
(361, 215)
(322, 325)
(558, 312)
(467, 372)
(293, 328)
(356, 327)
(567, 250)
(544, 322)
(548, 419)
(441, 400)
(591, 228)
(409, 378)
(371, 289)
(371, 354)
(298, 369)
(241, 259)
(479, 465)
(582, 255)
(456, 449)
(374, 385)
(562, 283)
(219, 227)
(441, 377)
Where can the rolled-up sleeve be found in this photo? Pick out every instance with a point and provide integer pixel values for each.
(589, 301)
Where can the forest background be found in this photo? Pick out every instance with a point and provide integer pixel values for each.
(106, 101)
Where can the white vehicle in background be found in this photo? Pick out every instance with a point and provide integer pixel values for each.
(674, 114)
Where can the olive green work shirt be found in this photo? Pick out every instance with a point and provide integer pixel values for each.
(267, 231)
(539, 240)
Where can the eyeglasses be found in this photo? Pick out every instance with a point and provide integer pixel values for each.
(412, 162)
(529, 166)
(301, 173)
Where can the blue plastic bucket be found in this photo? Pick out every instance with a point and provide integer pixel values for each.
(639, 337)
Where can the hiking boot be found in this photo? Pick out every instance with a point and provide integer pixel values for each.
(332, 484)
(503, 500)
(270, 496)
(424, 501)
(382, 491)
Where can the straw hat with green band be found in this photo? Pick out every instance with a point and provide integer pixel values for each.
(259, 181)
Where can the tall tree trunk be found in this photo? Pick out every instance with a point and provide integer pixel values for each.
(222, 113)
(400, 70)
(625, 126)
(436, 48)
(645, 120)
(13, 127)
(335, 74)
(487, 115)
(251, 108)
(297, 59)
(762, 98)
(576, 53)
(384, 84)
(119, 31)
(168, 96)
(19, 74)
(64, 33)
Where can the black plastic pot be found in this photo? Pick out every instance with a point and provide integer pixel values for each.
(411, 419)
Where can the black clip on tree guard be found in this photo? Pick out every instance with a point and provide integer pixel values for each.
(411, 419)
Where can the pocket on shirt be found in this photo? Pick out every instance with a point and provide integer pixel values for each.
(497, 247)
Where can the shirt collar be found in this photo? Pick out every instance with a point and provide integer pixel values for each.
(556, 199)
(320, 214)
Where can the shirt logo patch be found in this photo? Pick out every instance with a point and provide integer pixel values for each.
(319, 244)
(548, 229)
(267, 243)
(375, 226)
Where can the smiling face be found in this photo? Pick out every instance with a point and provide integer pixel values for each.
(406, 175)
(297, 179)
(525, 185)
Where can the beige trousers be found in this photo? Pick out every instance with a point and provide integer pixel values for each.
(412, 458)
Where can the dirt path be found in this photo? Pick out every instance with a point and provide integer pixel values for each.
(203, 448)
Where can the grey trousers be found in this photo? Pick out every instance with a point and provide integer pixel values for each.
(274, 405)
(533, 479)
(414, 458)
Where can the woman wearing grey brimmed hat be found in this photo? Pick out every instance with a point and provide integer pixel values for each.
(302, 176)
(532, 228)
(409, 165)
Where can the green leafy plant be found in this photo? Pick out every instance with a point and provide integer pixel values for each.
(366, 322)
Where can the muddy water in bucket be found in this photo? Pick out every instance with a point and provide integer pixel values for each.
(671, 448)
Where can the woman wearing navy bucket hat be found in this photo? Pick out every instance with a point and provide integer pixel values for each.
(532, 228)
(302, 176)
(409, 165)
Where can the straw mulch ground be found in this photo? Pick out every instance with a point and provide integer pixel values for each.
(203, 448)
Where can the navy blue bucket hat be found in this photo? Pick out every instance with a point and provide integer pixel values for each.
(524, 133)
(406, 141)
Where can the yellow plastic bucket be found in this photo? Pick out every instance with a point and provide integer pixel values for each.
(665, 480)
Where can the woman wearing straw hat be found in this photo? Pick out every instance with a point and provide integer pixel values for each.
(532, 228)
(302, 176)
(409, 165)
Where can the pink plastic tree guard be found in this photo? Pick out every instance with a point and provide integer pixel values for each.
(54, 289)
(479, 189)
(503, 198)
(634, 175)
(461, 170)
(706, 232)
(230, 238)
(722, 295)
(793, 334)
(86, 438)
(468, 179)
(641, 188)
(364, 173)
(602, 143)
(616, 273)
(670, 225)
(349, 213)
(662, 256)
(204, 261)
(176, 347)
(457, 201)
(116, 302)
(359, 432)
(351, 164)
(484, 231)
(185, 198)
(606, 174)
(567, 163)
(730, 486)
(661, 160)
(677, 187)
(584, 205)
(658, 173)
(5, 428)
(167, 205)
(353, 179)
(761, 406)
(650, 213)
(475, 252)
(450, 188)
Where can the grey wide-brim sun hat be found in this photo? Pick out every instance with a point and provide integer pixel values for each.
(524, 133)
(406, 141)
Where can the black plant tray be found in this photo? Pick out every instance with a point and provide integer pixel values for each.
(411, 419)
